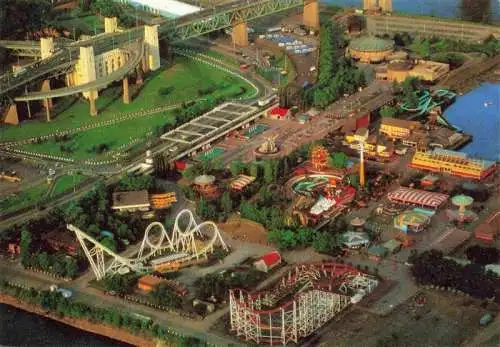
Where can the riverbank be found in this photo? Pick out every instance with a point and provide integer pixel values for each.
(111, 332)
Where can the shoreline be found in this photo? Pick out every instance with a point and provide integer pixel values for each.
(111, 332)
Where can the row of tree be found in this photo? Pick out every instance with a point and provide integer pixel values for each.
(218, 284)
(337, 74)
(59, 264)
(62, 307)
(431, 267)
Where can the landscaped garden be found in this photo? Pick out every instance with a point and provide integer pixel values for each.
(66, 182)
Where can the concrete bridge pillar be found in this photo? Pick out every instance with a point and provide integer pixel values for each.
(87, 73)
(110, 24)
(152, 47)
(126, 95)
(11, 117)
(46, 88)
(311, 14)
(47, 102)
(386, 5)
(240, 34)
(92, 99)
(46, 47)
(370, 5)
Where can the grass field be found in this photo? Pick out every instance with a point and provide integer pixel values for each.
(65, 183)
(25, 198)
(179, 83)
(112, 136)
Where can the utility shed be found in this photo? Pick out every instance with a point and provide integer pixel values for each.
(148, 283)
(268, 261)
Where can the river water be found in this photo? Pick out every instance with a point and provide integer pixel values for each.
(474, 10)
(20, 328)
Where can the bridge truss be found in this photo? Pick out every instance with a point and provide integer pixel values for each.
(182, 243)
(322, 290)
(222, 17)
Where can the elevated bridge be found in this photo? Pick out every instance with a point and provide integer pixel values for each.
(135, 52)
(235, 14)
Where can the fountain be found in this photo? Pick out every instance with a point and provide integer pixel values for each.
(269, 147)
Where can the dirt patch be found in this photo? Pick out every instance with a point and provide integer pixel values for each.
(96, 328)
(445, 320)
(245, 230)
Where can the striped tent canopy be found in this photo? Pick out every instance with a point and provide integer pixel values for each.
(241, 181)
(417, 197)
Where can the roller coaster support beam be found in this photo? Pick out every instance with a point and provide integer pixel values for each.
(311, 14)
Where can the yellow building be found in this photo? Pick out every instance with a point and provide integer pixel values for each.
(370, 49)
(395, 128)
(453, 163)
(422, 69)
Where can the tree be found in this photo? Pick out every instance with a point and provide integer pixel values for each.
(43, 261)
(70, 267)
(268, 171)
(284, 239)
(236, 167)
(324, 242)
(226, 204)
(388, 111)
(254, 170)
(109, 243)
(163, 295)
(338, 160)
(26, 246)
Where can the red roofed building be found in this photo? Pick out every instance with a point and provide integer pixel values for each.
(488, 230)
(268, 261)
(279, 113)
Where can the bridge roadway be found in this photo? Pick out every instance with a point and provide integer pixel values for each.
(173, 30)
(136, 52)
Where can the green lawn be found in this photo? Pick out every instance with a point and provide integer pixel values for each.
(25, 198)
(113, 136)
(183, 78)
(65, 183)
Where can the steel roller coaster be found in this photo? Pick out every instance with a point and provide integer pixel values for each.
(180, 245)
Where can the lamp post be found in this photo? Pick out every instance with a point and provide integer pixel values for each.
(361, 163)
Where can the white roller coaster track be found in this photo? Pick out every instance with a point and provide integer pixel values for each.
(179, 242)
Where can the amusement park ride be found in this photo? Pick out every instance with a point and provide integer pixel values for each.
(184, 245)
(302, 301)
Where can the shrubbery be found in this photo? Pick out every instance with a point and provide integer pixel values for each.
(430, 267)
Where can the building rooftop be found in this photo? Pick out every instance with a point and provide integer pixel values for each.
(150, 280)
(130, 199)
(401, 123)
(404, 65)
(204, 180)
(371, 44)
(271, 258)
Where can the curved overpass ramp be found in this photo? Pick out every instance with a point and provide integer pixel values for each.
(136, 51)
